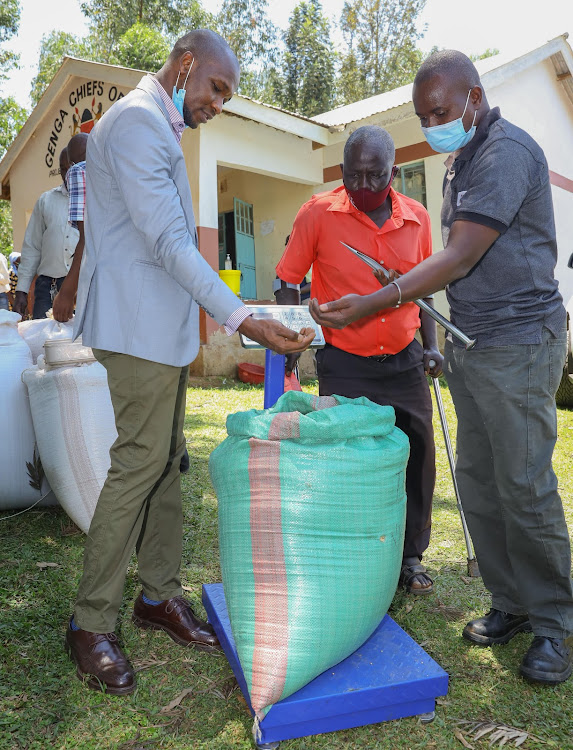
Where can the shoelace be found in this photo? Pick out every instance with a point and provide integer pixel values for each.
(177, 604)
(100, 638)
(559, 646)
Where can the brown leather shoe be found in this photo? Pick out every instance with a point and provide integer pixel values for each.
(176, 618)
(100, 662)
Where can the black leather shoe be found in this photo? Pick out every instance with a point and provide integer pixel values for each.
(100, 662)
(178, 620)
(496, 628)
(185, 463)
(549, 660)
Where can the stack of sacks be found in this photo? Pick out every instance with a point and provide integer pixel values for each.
(74, 424)
(17, 432)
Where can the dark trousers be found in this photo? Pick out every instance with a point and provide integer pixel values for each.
(507, 427)
(42, 296)
(398, 381)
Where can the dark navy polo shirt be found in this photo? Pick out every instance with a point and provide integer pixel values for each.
(501, 180)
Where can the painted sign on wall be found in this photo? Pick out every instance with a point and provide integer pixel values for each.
(85, 105)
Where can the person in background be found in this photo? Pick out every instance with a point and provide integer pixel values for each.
(498, 270)
(4, 283)
(379, 358)
(14, 261)
(48, 247)
(65, 300)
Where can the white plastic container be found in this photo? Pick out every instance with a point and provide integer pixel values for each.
(37, 332)
(63, 352)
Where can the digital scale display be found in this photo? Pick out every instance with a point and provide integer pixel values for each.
(294, 317)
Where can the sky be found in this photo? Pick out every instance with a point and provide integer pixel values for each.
(512, 26)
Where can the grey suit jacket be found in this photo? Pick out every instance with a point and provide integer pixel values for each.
(142, 275)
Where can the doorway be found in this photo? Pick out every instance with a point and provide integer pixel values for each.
(237, 239)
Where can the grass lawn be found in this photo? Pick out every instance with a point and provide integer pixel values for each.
(187, 699)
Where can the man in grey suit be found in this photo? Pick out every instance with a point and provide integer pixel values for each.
(141, 245)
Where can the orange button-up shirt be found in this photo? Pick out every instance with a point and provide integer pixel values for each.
(402, 242)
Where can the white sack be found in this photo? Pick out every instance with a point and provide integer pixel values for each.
(75, 428)
(18, 442)
(36, 332)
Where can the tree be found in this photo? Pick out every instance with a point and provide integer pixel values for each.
(111, 20)
(191, 15)
(12, 116)
(142, 47)
(381, 37)
(9, 22)
(137, 34)
(308, 61)
(254, 39)
(489, 52)
(9, 19)
(54, 47)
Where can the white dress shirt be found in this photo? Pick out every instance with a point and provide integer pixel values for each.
(50, 241)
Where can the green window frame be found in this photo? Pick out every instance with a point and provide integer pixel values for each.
(410, 180)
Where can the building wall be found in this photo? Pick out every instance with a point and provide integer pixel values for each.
(535, 101)
(37, 168)
(275, 171)
(275, 205)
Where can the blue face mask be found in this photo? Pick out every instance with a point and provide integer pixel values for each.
(178, 96)
(450, 136)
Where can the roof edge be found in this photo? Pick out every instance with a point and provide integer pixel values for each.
(493, 76)
(70, 67)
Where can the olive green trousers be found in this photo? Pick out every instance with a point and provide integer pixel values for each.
(140, 503)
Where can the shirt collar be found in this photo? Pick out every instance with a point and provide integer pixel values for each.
(401, 211)
(481, 134)
(175, 119)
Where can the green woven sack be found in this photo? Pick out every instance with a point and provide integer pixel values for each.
(312, 508)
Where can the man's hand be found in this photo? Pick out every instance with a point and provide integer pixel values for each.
(63, 305)
(20, 305)
(273, 335)
(433, 355)
(341, 312)
(384, 280)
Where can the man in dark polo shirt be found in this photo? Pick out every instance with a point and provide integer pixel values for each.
(497, 267)
(379, 357)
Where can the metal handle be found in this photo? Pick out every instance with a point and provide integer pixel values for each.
(473, 569)
(439, 318)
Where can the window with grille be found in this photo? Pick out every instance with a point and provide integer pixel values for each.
(411, 181)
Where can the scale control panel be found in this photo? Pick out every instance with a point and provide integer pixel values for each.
(294, 317)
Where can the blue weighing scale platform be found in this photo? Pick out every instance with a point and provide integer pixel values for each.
(388, 677)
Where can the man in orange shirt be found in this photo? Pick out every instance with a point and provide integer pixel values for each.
(377, 357)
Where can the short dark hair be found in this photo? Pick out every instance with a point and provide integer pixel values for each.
(369, 134)
(201, 42)
(450, 64)
(77, 147)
